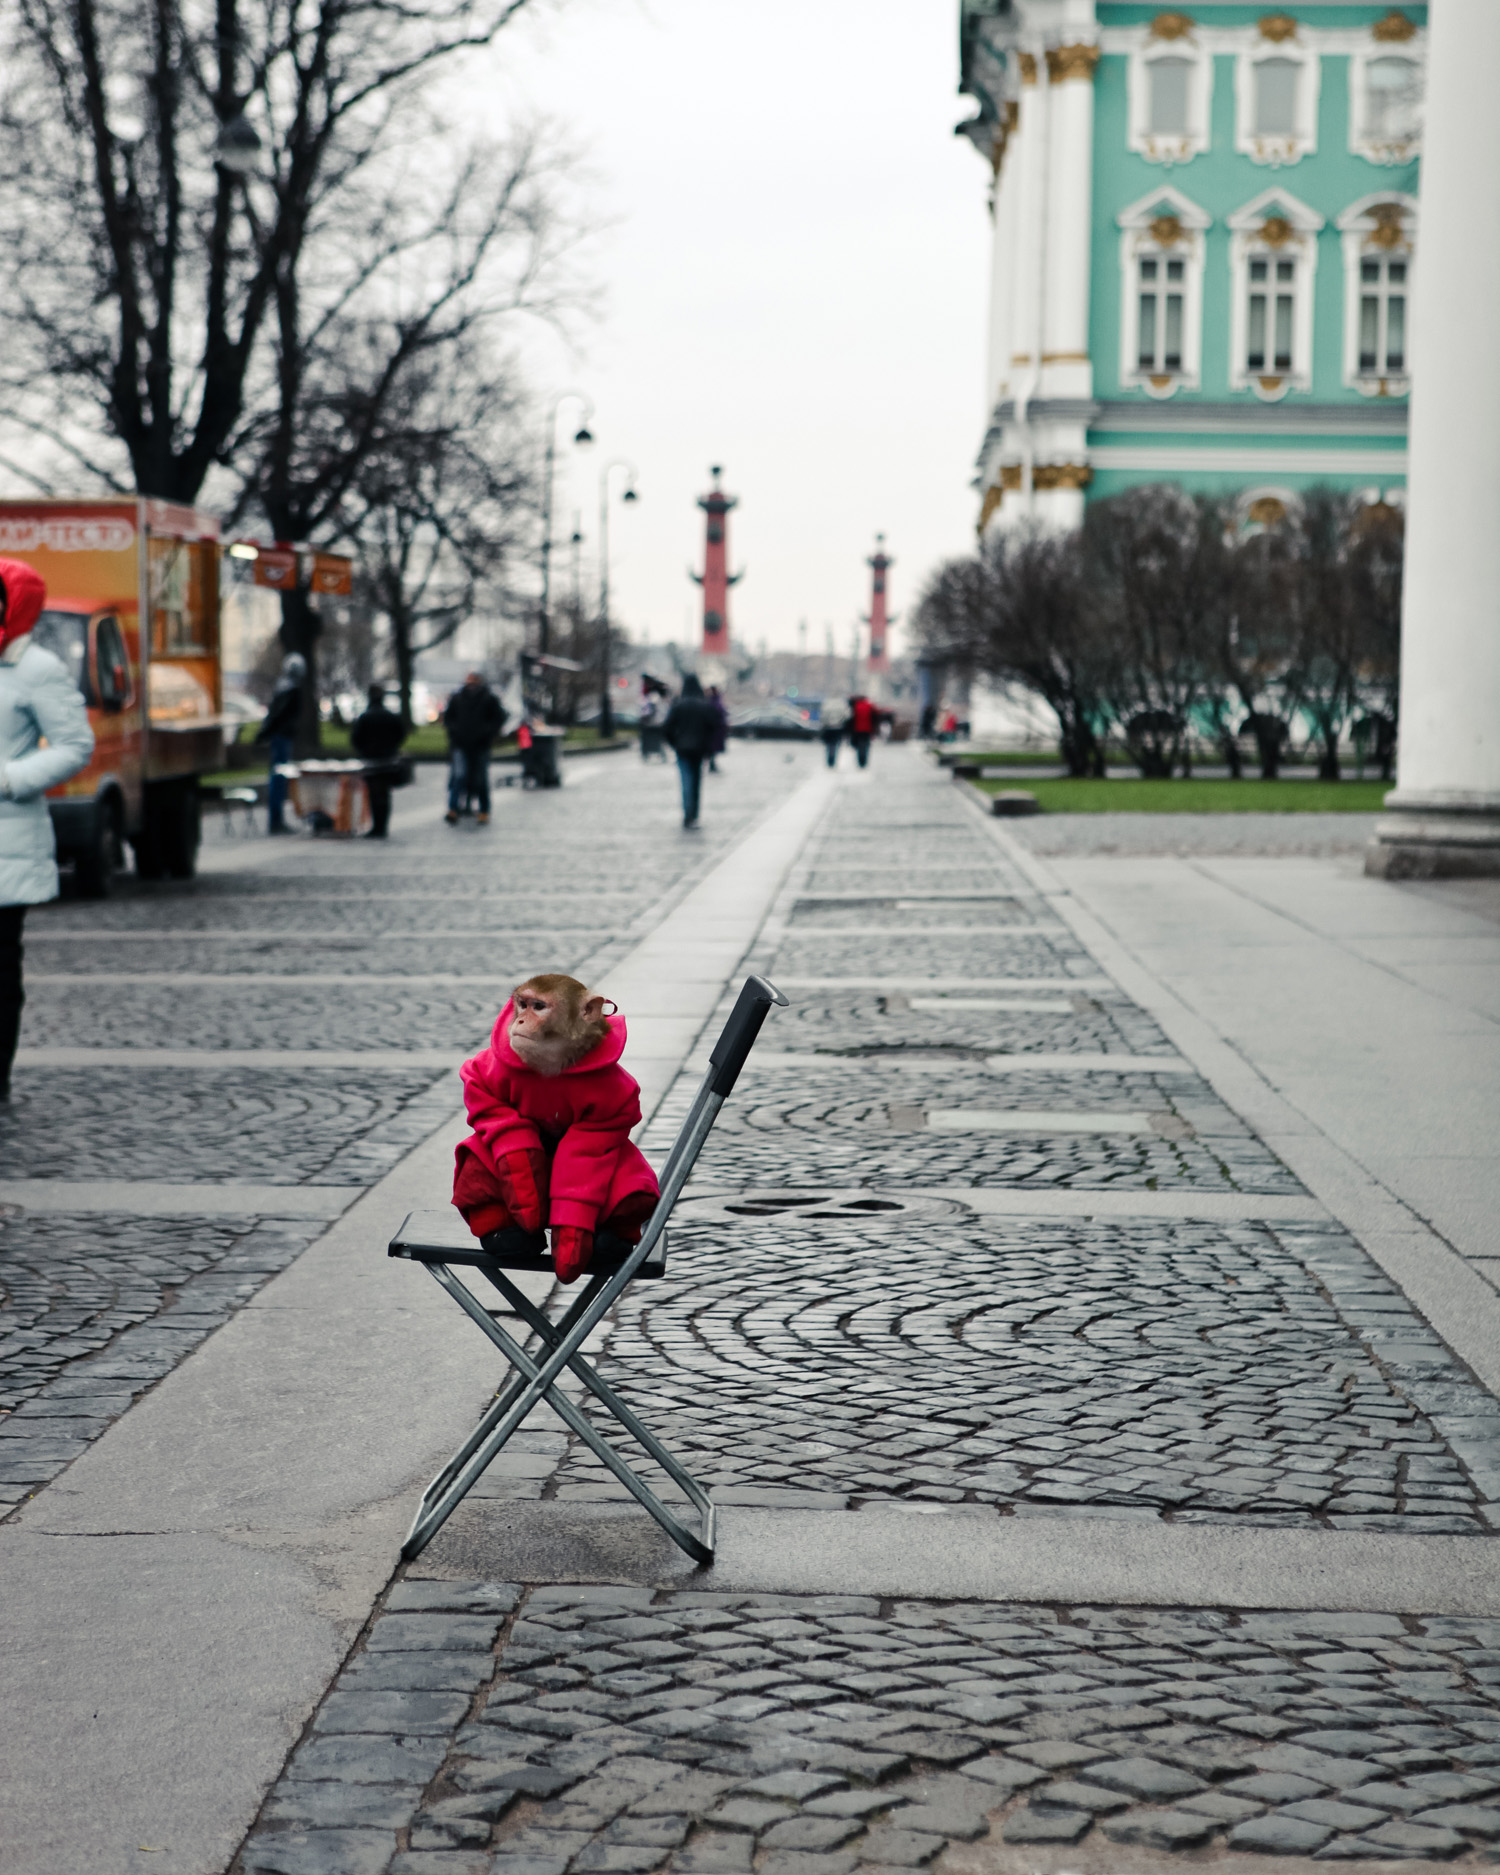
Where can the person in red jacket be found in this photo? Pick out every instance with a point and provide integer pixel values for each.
(863, 718)
(553, 1148)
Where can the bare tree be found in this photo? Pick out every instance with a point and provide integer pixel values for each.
(1159, 571)
(440, 502)
(1019, 611)
(214, 211)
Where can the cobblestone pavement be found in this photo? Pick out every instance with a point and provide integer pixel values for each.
(828, 1337)
(1198, 1371)
(96, 1309)
(615, 1731)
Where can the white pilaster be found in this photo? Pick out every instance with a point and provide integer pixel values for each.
(1002, 267)
(1446, 804)
(1066, 370)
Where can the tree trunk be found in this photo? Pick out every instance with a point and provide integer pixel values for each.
(300, 626)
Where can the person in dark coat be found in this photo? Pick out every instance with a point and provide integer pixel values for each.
(283, 715)
(377, 736)
(473, 719)
(690, 729)
(721, 733)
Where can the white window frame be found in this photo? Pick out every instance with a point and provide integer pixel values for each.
(1168, 148)
(1277, 151)
(1140, 230)
(1362, 140)
(1365, 232)
(1247, 242)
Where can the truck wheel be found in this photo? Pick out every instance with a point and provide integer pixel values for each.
(95, 866)
(182, 830)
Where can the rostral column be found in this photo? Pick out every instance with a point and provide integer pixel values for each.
(716, 579)
(880, 622)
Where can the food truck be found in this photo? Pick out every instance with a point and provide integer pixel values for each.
(133, 611)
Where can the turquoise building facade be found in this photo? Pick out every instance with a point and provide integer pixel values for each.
(1206, 229)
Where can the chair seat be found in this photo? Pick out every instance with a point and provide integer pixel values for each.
(443, 1237)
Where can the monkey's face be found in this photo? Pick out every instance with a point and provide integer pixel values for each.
(549, 1033)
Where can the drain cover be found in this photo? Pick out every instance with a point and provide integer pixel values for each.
(852, 1205)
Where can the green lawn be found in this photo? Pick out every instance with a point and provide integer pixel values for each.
(1202, 797)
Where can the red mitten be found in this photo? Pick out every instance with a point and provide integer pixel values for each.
(572, 1251)
(523, 1180)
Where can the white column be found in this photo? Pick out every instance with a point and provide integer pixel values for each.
(1002, 269)
(1446, 805)
(1030, 252)
(1066, 371)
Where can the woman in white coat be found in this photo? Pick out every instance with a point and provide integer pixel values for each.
(37, 698)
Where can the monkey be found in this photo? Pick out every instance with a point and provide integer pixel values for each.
(557, 1022)
(552, 1111)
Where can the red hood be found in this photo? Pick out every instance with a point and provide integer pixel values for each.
(25, 595)
(604, 1055)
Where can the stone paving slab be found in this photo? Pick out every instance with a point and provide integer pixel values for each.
(617, 1728)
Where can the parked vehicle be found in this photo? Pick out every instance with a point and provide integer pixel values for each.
(774, 722)
(133, 611)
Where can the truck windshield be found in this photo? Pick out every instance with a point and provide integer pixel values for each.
(66, 635)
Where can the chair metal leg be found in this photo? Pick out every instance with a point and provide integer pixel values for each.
(469, 1464)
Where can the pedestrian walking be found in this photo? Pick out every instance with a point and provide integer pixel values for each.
(831, 729)
(721, 727)
(863, 719)
(649, 720)
(376, 737)
(689, 729)
(283, 714)
(38, 698)
(474, 718)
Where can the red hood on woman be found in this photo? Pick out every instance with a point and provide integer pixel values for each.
(604, 1054)
(25, 595)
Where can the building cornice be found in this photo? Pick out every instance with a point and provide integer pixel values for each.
(1231, 419)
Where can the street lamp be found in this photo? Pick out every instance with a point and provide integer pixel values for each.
(606, 707)
(582, 436)
(239, 146)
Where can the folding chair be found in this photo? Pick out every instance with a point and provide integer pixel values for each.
(438, 1240)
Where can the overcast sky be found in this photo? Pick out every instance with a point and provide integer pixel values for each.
(794, 279)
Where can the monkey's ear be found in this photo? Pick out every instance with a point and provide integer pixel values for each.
(593, 1008)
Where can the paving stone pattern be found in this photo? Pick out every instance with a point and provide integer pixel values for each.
(861, 1022)
(614, 1731)
(1196, 1371)
(95, 1310)
(1322, 836)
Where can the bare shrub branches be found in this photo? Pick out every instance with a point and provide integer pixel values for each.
(1174, 622)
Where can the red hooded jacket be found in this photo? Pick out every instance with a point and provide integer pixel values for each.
(581, 1118)
(25, 595)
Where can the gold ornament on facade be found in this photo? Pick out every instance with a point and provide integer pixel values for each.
(1027, 63)
(1166, 230)
(1390, 226)
(1048, 475)
(1065, 62)
(1276, 231)
(1010, 475)
(1277, 27)
(1395, 28)
(1172, 26)
(1267, 511)
(1271, 387)
(987, 507)
(1161, 380)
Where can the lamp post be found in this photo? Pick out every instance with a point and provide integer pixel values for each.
(606, 708)
(582, 436)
